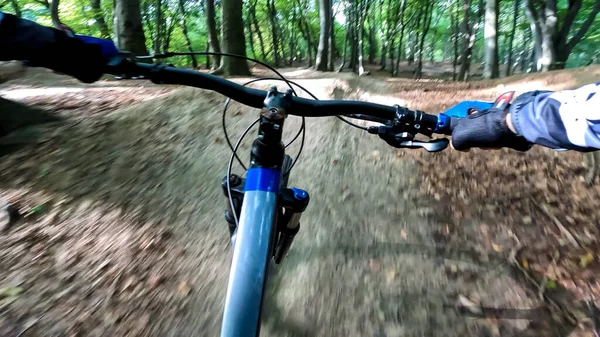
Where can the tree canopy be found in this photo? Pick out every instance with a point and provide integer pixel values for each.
(474, 37)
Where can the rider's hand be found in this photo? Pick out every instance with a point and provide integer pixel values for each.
(490, 128)
(107, 47)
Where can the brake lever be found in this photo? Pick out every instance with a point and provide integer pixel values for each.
(406, 140)
(434, 145)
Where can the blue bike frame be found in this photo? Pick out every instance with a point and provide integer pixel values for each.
(252, 253)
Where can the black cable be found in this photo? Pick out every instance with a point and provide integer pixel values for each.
(233, 210)
(302, 127)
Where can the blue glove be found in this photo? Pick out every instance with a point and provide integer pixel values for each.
(108, 47)
(461, 110)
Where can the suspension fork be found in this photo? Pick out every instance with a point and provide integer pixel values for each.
(268, 152)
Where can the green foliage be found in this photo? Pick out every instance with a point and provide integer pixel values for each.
(292, 15)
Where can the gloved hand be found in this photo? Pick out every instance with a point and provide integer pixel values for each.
(82, 57)
(107, 46)
(484, 125)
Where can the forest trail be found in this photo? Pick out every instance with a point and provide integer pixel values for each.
(125, 234)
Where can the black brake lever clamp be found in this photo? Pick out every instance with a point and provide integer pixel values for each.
(400, 133)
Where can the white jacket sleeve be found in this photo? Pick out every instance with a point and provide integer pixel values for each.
(568, 119)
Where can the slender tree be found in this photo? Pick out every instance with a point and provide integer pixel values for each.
(321, 61)
(54, 13)
(128, 26)
(158, 24)
(98, 18)
(511, 38)
(364, 11)
(490, 32)
(184, 30)
(455, 32)
(428, 9)
(558, 41)
(272, 12)
(211, 26)
(233, 39)
(252, 14)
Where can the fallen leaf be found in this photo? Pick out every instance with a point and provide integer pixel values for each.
(129, 283)
(391, 275)
(527, 220)
(524, 263)
(154, 281)
(37, 209)
(497, 248)
(375, 265)
(466, 303)
(11, 291)
(403, 234)
(184, 288)
(585, 260)
(187, 209)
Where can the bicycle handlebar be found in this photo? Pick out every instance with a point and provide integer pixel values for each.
(164, 74)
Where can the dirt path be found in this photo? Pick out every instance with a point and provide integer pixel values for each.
(125, 236)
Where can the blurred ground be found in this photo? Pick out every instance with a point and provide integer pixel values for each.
(124, 235)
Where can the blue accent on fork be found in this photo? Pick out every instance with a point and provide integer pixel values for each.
(261, 179)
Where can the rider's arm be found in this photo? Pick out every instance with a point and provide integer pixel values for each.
(568, 119)
(47, 47)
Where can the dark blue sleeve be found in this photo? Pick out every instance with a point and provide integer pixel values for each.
(568, 119)
(41, 46)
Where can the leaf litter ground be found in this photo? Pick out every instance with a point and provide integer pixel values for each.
(116, 201)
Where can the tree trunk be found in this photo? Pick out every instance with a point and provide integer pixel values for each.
(432, 50)
(115, 24)
(16, 8)
(361, 25)
(321, 61)
(183, 24)
(396, 69)
(344, 52)
(207, 60)
(158, 23)
(537, 37)
(386, 27)
(332, 50)
(426, 25)
(130, 34)
(292, 40)
(396, 66)
(372, 43)
(251, 36)
(490, 32)
(273, 23)
(98, 18)
(468, 42)
(455, 32)
(211, 27)
(511, 38)
(556, 46)
(54, 14)
(233, 39)
(166, 41)
(252, 10)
